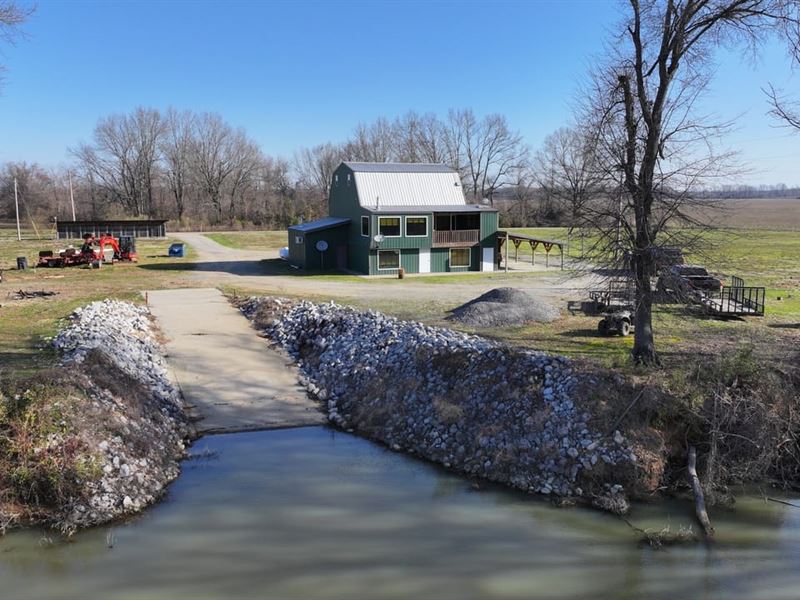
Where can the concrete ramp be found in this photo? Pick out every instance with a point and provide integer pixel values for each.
(229, 374)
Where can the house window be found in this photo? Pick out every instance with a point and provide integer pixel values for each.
(416, 226)
(336, 180)
(389, 226)
(348, 179)
(460, 257)
(298, 239)
(388, 259)
(365, 226)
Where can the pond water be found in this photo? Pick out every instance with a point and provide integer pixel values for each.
(314, 513)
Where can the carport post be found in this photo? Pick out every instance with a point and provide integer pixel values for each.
(507, 244)
(561, 249)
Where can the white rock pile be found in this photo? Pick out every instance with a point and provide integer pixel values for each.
(138, 438)
(471, 404)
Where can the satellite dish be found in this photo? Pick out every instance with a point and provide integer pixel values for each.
(322, 245)
(378, 238)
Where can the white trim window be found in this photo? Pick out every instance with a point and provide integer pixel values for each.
(460, 257)
(365, 226)
(419, 226)
(298, 239)
(388, 260)
(390, 226)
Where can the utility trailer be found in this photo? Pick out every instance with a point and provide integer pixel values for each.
(619, 294)
(736, 300)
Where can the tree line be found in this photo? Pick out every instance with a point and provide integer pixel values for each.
(199, 170)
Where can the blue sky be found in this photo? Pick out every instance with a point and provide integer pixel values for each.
(298, 74)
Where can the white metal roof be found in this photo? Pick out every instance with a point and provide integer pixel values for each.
(412, 188)
(397, 167)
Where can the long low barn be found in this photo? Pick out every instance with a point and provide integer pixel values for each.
(136, 228)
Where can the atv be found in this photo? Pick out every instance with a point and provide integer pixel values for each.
(619, 322)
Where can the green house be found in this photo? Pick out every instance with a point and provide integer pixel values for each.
(384, 216)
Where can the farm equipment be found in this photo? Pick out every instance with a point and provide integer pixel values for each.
(94, 251)
(617, 295)
(619, 322)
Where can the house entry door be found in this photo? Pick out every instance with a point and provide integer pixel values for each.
(424, 260)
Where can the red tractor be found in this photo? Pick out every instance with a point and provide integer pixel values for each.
(93, 251)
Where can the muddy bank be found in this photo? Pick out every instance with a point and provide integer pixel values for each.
(473, 405)
(99, 436)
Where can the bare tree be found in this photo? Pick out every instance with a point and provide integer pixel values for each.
(644, 109)
(372, 143)
(419, 138)
(567, 170)
(12, 16)
(315, 167)
(123, 158)
(523, 184)
(485, 152)
(176, 147)
(245, 159)
(212, 160)
(34, 188)
(785, 111)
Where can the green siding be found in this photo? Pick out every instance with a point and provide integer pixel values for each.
(409, 260)
(297, 251)
(488, 229)
(305, 254)
(343, 202)
(440, 261)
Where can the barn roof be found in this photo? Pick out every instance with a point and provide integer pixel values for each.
(432, 208)
(406, 185)
(394, 167)
(320, 224)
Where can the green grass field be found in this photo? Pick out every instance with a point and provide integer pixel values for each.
(24, 324)
(768, 258)
(250, 240)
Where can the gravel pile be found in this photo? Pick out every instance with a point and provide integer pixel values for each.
(471, 404)
(504, 307)
(135, 425)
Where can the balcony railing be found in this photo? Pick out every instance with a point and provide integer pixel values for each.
(457, 237)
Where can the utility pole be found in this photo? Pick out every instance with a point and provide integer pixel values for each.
(16, 210)
(71, 197)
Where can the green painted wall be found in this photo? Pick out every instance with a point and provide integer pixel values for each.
(343, 202)
(297, 251)
(337, 242)
(409, 260)
(303, 252)
(440, 261)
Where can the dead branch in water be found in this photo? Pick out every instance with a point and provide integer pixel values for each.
(783, 502)
(699, 498)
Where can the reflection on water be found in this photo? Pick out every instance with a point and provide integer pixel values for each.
(312, 513)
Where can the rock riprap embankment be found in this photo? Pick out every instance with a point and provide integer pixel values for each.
(134, 424)
(471, 404)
